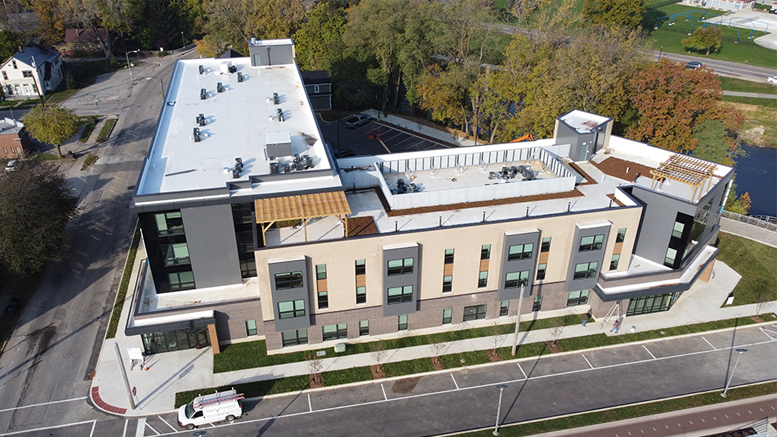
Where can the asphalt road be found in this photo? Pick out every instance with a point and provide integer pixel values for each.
(45, 367)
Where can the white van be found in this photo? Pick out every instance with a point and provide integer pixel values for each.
(226, 405)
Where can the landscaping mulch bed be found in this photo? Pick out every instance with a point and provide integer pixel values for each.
(493, 355)
(437, 363)
(553, 347)
(622, 169)
(316, 380)
(377, 371)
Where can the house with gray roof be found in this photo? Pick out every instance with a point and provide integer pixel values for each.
(30, 73)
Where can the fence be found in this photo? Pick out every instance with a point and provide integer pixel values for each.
(769, 226)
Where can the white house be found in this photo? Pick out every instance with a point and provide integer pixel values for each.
(29, 70)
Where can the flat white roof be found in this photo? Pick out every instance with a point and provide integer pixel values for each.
(239, 121)
(582, 121)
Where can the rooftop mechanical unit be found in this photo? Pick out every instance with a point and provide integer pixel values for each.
(203, 94)
(201, 119)
(202, 69)
(279, 117)
(196, 135)
(239, 77)
(219, 88)
(278, 144)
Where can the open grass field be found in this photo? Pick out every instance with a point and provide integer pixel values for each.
(755, 262)
(760, 128)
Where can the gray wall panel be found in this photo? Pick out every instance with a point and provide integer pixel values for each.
(210, 235)
(577, 257)
(401, 280)
(291, 294)
(529, 264)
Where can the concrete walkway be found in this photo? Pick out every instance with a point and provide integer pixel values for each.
(193, 369)
(751, 232)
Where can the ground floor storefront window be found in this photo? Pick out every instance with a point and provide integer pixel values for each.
(170, 341)
(652, 304)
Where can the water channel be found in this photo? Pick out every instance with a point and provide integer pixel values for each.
(756, 174)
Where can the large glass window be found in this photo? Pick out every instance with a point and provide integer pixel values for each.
(541, 271)
(169, 223)
(250, 327)
(333, 332)
(591, 242)
(516, 279)
(671, 255)
(482, 279)
(586, 270)
(364, 327)
(285, 281)
(400, 266)
(321, 271)
(485, 251)
(400, 294)
(677, 230)
(297, 336)
(520, 251)
(323, 300)
(652, 304)
(621, 235)
(504, 307)
(447, 315)
(447, 283)
(402, 322)
(181, 280)
(577, 298)
(175, 254)
(290, 309)
(614, 261)
(537, 303)
(449, 256)
(360, 266)
(475, 312)
(545, 245)
(361, 294)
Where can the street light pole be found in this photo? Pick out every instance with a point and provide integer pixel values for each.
(660, 52)
(518, 321)
(183, 41)
(129, 66)
(499, 408)
(730, 377)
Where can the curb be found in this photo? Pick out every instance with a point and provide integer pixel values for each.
(97, 402)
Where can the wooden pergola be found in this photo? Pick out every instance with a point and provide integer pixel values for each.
(302, 207)
(690, 171)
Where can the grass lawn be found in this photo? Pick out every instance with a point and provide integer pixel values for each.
(61, 96)
(88, 128)
(745, 86)
(760, 127)
(587, 419)
(755, 262)
(105, 132)
(113, 325)
(251, 389)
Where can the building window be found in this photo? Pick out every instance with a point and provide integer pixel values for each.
(5, 75)
(285, 281)
(400, 266)
(621, 235)
(361, 294)
(485, 251)
(677, 230)
(516, 279)
(520, 251)
(26, 73)
(297, 336)
(169, 223)
(400, 294)
(483, 279)
(586, 270)
(321, 271)
(537, 303)
(291, 309)
(315, 89)
(447, 316)
(504, 307)
(449, 256)
(14, 64)
(447, 283)
(475, 312)
(577, 298)
(671, 254)
(333, 332)
(181, 280)
(360, 266)
(364, 327)
(175, 254)
(592, 242)
(323, 300)
(545, 245)
(614, 262)
(250, 327)
(402, 322)
(541, 271)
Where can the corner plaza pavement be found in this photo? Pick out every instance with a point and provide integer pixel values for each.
(193, 369)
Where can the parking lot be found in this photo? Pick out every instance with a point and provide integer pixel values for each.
(364, 140)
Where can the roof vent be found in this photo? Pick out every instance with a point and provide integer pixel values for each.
(232, 69)
(203, 94)
(239, 77)
(202, 69)
(219, 88)
(196, 135)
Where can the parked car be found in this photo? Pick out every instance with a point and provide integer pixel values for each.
(11, 166)
(772, 80)
(357, 120)
(693, 65)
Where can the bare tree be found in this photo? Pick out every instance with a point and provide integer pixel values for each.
(497, 336)
(762, 296)
(438, 345)
(315, 365)
(378, 352)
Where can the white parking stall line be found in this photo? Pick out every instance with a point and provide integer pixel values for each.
(43, 404)
(94, 424)
(140, 431)
(524, 373)
(651, 354)
(384, 392)
(152, 428)
(166, 423)
(124, 433)
(454, 382)
(713, 347)
(27, 431)
(310, 404)
(586, 360)
(769, 333)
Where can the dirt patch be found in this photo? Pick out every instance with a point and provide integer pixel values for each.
(316, 380)
(437, 363)
(377, 371)
(760, 128)
(553, 347)
(493, 355)
(405, 386)
(361, 226)
(622, 169)
(757, 319)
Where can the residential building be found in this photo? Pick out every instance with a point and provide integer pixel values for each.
(253, 230)
(31, 73)
(14, 139)
(83, 42)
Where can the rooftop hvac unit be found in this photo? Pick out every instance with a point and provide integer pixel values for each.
(275, 98)
(219, 88)
(239, 164)
(202, 69)
(196, 135)
(239, 77)
(278, 144)
(235, 173)
(274, 168)
(203, 94)
(232, 69)
(201, 119)
(280, 115)
(225, 67)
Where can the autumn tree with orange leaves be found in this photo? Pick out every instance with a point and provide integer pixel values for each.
(671, 100)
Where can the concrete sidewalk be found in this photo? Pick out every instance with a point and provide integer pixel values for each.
(193, 369)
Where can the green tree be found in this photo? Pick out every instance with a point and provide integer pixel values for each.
(715, 143)
(51, 124)
(707, 38)
(739, 205)
(319, 40)
(627, 13)
(35, 207)
(275, 19)
(10, 42)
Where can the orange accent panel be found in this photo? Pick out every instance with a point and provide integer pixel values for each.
(361, 280)
(447, 270)
(214, 339)
(321, 285)
(618, 248)
(544, 257)
(483, 265)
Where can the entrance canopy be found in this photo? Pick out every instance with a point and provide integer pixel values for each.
(302, 207)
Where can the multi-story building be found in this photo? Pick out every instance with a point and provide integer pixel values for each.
(14, 139)
(31, 72)
(253, 229)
